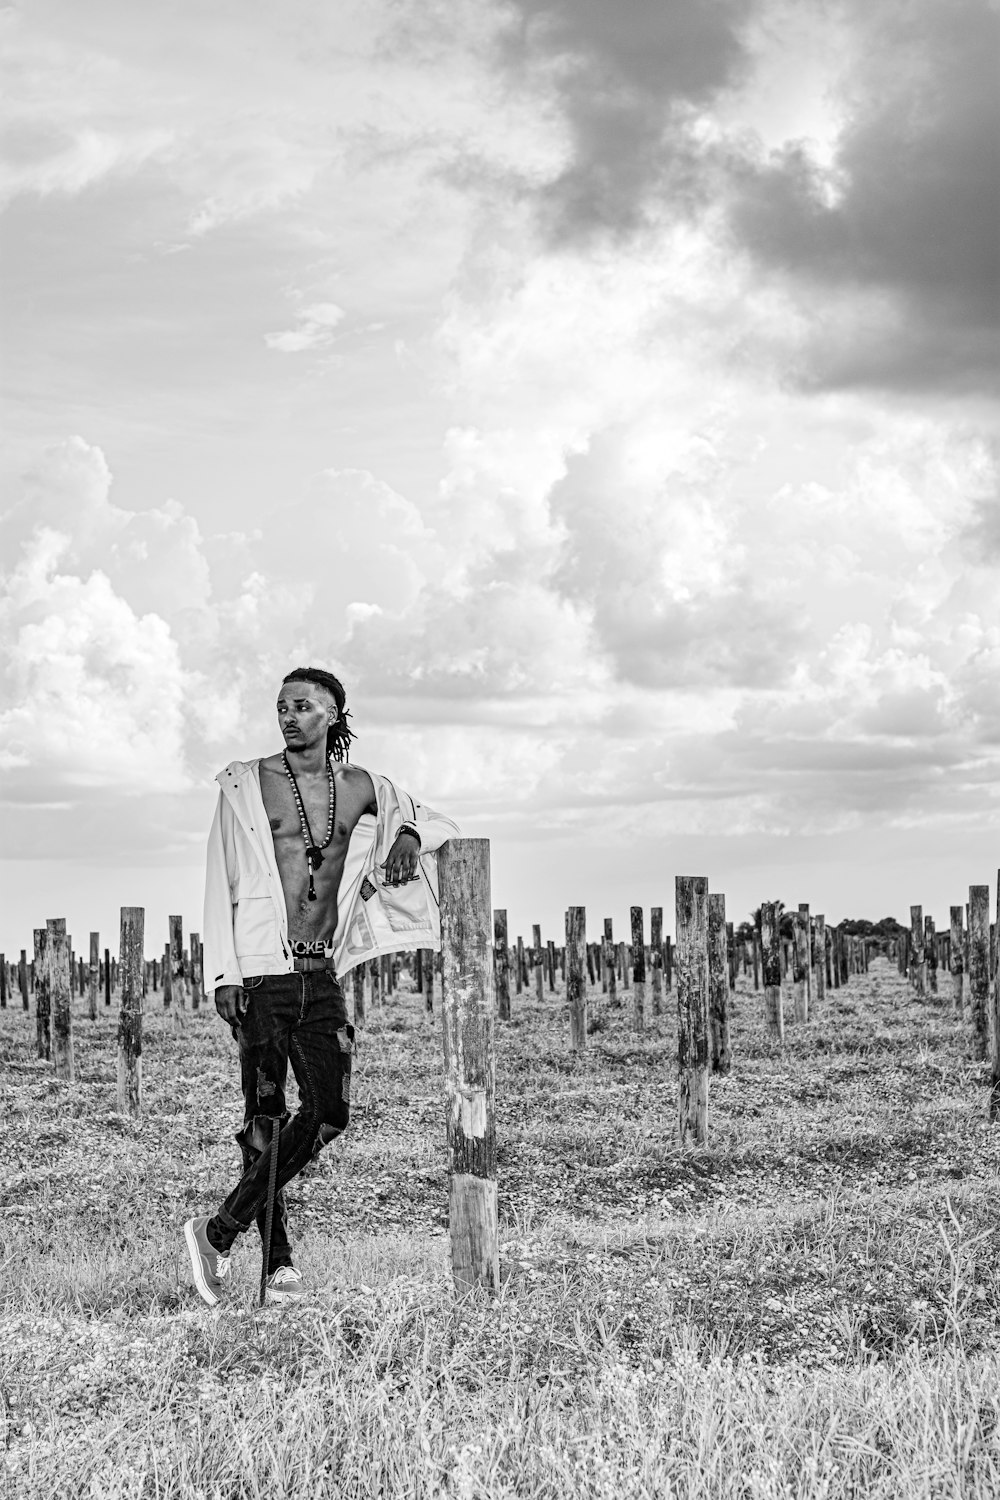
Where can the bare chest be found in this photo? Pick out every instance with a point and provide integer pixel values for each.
(314, 818)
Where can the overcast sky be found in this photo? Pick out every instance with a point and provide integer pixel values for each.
(605, 390)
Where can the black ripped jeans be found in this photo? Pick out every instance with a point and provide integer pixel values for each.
(301, 1018)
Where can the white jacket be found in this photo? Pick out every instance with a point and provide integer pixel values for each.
(246, 923)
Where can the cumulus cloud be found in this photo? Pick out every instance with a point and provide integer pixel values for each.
(900, 228)
(314, 329)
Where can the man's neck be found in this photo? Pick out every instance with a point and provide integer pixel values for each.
(308, 761)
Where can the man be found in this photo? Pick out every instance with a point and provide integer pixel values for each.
(314, 866)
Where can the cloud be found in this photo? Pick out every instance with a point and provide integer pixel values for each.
(893, 244)
(629, 82)
(314, 330)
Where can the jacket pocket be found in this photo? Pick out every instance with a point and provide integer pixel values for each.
(255, 926)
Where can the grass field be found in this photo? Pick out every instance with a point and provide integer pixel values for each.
(809, 1307)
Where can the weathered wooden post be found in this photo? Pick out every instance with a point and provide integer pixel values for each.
(957, 956)
(731, 954)
(467, 1009)
(519, 967)
(918, 977)
(22, 978)
(551, 946)
(718, 984)
(755, 944)
(93, 974)
(800, 923)
(177, 978)
(375, 983)
(994, 1030)
(166, 970)
(501, 963)
(656, 956)
(770, 948)
(979, 967)
(576, 990)
(43, 1028)
(638, 969)
(197, 988)
(358, 985)
(131, 945)
(692, 1006)
(819, 961)
(536, 959)
(623, 965)
(608, 959)
(668, 963)
(57, 957)
(591, 971)
(930, 954)
(107, 976)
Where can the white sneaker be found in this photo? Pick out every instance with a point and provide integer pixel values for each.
(285, 1284)
(210, 1269)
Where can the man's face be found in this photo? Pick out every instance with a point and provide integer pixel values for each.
(305, 711)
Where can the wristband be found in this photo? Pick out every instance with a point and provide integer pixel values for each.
(409, 828)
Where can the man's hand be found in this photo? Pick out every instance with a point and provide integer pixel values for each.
(230, 1003)
(401, 864)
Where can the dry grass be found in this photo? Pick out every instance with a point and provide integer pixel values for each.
(807, 1308)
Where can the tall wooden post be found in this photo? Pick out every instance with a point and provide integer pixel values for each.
(130, 950)
(668, 963)
(623, 965)
(57, 953)
(979, 967)
(501, 963)
(930, 955)
(994, 1030)
(638, 969)
(197, 978)
(957, 957)
(166, 971)
(536, 959)
(43, 1014)
(770, 948)
(551, 959)
(800, 921)
(93, 974)
(656, 956)
(918, 976)
(692, 1006)
(755, 945)
(107, 976)
(519, 966)
(718, 984)
(819, 961)
(731, 954)
(608, 955)
(22, 978)
(467, 1010)
(576, 989)
(3, 981)
(358, 986)
(177, 978)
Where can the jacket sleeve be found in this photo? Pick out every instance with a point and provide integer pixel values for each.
(434, 828)
(220, 963)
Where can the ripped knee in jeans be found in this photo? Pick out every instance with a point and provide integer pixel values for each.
(255, 1137)
(324, 1135)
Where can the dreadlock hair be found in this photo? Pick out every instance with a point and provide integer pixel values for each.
(338, 736)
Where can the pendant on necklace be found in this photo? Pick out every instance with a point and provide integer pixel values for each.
(315, 856)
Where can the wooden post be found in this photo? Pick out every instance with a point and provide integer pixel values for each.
(718, 984)
(93, 975)
(731, 954)
(800, 921)
(501, 963)
(177, 980)
(43, 1027)
(638, 969)
(994, 1030)
(576, 990)
(107, 976)
(552, 965)
(130, 963)
(591, 972)
(770, 948)
(22, 978)
(166, 970)
(656, 956)
(930, 954)
(467, 1009)
(819, 962)
(622, 965)
(609, 962)
(57, 953)
(957, 957)
(536, 959)
(197, 986)
(519, 966)
(755, 944)
(358, 986)
(375, 983)
(692, 1006)
(3, 981)
(668, 963)
(917, 970)
(979, 967)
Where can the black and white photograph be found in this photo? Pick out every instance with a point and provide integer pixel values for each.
(499, 749)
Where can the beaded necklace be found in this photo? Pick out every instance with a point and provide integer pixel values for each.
(314, 851)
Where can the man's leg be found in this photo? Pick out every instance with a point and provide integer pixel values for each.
(319, 1044)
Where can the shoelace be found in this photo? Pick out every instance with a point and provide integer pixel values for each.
(223, 1266)
(286, 1273)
